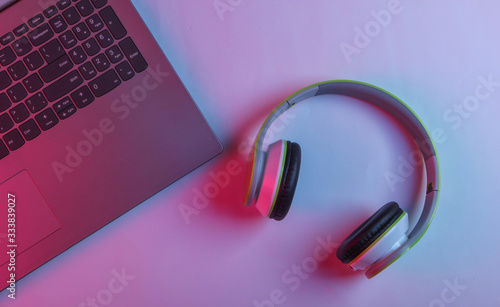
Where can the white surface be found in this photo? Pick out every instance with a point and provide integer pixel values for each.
(434, 55)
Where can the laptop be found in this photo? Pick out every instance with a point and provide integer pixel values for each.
(93, 121)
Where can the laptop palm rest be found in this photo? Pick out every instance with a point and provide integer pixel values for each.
(33, 220)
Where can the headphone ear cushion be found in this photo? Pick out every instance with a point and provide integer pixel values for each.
(368, 232)
(288, 183)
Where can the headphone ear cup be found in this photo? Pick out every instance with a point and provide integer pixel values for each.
(288, 183)
(369, 232)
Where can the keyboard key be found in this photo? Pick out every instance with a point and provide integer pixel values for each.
(56, 69)
(105, 83)
(18, 71)
(85, 8)
(44, 60)
(62, 4)
(19, 113)
(33, 60)
(88, 71)
(33, 83)
(68, 39)
(91, 47)
(14, 140)
(7, 38)
(81, 31)
(82, 97)
(58, 24)
(5, 80)
(22, 46)
(4, 152)
(6, 123)
(47, 119)
(99, 3)
(112, 22)
(105, 39)
(71, 16)
(133, 55)
(41, 35)
(17, 93)
(125, 71)
(101, 62)
(95, 23)
(7, 56)
(51, 11)
(4, 102)
(63, 86)
(114, 54)
(20, 30)
(78, 55)
(62, 104)
(29, 130)
(52, 51)
(36, 21)
(67, 112)
(36, 103)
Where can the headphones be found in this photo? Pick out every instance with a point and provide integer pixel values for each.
(383, 237)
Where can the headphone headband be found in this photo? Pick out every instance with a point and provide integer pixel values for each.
(387, 102)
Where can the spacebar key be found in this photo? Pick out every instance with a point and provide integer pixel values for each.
(105, 83)
(63, 86)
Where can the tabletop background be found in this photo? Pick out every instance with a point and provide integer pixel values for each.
(194, 244)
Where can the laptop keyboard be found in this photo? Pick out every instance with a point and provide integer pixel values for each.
(57, 62)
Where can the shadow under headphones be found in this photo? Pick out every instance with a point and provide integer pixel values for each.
(383, 237)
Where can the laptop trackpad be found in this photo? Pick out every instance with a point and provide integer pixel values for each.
(33, 221)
